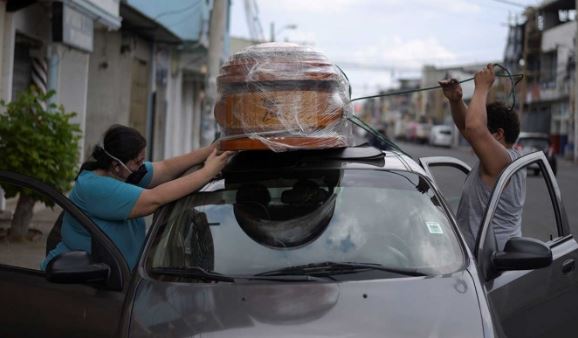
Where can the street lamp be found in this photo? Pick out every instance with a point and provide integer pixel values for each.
(275, 33)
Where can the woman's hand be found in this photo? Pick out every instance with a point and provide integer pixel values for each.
(216, 162)
(452, 90)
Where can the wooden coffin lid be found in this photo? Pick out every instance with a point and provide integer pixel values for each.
(277, 62)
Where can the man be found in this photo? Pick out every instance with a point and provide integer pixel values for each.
(491, 130)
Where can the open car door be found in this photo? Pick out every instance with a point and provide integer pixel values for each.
(79, 294)
(532, 285)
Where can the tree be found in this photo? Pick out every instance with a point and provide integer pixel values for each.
(37, 139)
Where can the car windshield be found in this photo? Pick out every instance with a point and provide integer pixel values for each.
(260, 223)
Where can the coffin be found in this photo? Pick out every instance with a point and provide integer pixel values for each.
(281, 96)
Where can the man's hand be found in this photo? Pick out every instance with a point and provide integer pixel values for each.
(452, 90)
(485, 78)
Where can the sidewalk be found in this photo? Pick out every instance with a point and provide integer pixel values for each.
(30, 253)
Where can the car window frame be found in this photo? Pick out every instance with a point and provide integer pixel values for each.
(554, 193)
(485, 241)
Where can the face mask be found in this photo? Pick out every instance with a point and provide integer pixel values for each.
(136, 176)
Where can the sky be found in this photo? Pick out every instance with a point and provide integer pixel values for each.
(377, 42)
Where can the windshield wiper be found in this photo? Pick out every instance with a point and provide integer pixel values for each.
(328, 268)
(200, 273)
(193, 272)
(285, 278)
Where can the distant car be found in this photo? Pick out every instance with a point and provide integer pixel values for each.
(418, 132)
(441, 136)
(531, 142)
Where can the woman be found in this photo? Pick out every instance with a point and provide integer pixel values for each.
(116, 188)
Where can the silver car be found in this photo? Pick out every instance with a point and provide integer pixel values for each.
(353, 242)
(441, 136)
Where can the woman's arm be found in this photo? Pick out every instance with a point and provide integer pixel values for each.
(166, 170)
(151, 199)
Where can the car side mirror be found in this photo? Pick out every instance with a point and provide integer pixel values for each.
(76, 267)
(522, 253)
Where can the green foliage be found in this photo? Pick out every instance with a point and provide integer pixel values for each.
(38, 142)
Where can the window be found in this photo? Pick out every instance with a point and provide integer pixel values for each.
(27, 252)
(538, 219)
(549, 69)
(263, 221)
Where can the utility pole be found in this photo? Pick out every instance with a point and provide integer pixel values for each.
(274, 33)
(272, 30)
(218, 29)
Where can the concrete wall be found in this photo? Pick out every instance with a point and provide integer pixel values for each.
(33, 22)
(173, 138)
(110, 6)
(182, 121)
(110, 76)
(73, 85)
(187, 117)
(7, 46)
(108, 88)
(197, 109)
(238, 44)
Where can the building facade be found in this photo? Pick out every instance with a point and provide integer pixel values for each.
(49, 43)
(134, 62)
(547, 59)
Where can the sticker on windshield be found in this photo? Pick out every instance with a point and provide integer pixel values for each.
(434, 228)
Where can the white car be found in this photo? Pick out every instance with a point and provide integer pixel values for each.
(441, 136)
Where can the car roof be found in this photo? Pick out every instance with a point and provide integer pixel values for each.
(360, 157)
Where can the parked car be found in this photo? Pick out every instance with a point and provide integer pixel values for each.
(348, 242)
(418, 132)
(441, 136)
(531, 142)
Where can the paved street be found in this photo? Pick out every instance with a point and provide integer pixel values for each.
(538, 216)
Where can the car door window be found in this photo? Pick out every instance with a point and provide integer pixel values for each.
(449, 175)
(29, 250)
(539, 217)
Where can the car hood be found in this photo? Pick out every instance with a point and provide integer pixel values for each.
(403, 307)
